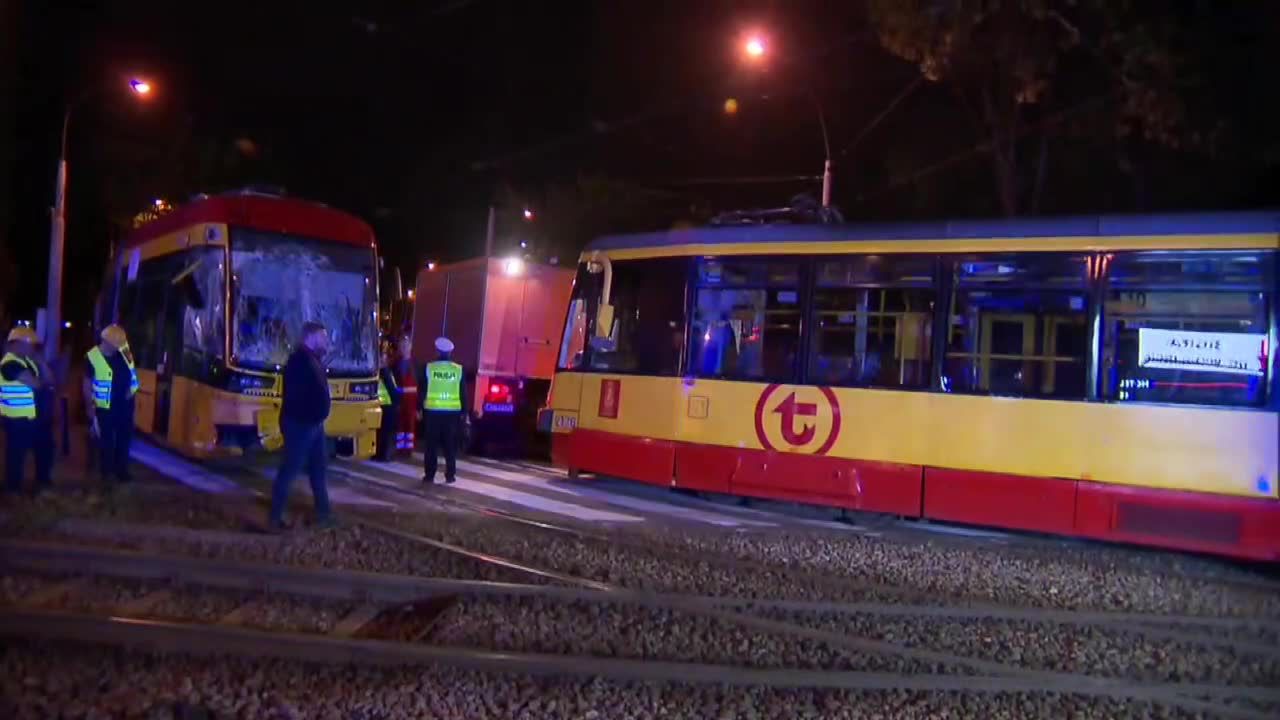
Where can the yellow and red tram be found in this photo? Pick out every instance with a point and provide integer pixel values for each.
(1103, 377)
(214, 294)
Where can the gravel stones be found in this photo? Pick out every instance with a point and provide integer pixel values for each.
(537, 625)
(1101, 651)
(42, 681)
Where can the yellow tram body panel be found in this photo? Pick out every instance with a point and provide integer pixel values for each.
(1206, 450)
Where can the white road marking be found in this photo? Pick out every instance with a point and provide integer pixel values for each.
(529, 500)
(189, 474)
(338, 495)
(631, 503)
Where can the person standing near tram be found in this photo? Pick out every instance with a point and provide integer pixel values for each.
(441, 388)
(110, 384)
(389, 394)
(24, 379)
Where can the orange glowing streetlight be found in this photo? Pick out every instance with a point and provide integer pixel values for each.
(754, 49)
(58, 226)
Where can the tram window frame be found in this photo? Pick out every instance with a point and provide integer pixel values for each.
(1033, 275)
(639, 332)
(888, 272)
(586, 289)
(795, 280)
(1178, 291)
(149, 287)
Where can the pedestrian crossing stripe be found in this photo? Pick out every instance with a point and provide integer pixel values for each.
(516, 497)
(625, 501)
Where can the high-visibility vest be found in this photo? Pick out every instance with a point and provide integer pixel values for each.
(103, 375)
(444, 386)
(384, 396)
(17, 400)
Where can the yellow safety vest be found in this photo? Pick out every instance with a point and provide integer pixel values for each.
(384, 396)
(102, 376)
(444, 386)
(17, 400)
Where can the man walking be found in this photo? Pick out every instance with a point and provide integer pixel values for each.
(441, 384)
(22, 376)
(110, 384)
(304, 408)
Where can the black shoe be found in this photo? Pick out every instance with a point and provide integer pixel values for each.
(449, 480)
(428, 480)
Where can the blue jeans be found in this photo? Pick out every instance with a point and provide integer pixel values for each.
(303, 444)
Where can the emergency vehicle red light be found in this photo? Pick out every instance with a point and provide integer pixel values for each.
(499, 393)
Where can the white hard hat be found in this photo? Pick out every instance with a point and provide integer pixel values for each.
(444, 344)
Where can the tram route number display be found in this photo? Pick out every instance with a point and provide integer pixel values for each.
(1230, 353)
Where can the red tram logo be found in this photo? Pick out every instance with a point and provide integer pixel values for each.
(804, 420)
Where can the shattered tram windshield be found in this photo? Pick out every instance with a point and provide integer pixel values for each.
(280, 282)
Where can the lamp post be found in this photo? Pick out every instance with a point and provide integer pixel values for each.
(58, 226)
(755, 49)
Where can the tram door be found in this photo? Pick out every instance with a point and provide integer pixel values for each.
(182, 293)
(1026, 351)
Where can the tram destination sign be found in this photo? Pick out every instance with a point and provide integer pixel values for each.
(1216, 352)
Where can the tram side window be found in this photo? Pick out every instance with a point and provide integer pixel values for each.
(141, 303)
(647, 335)
(1019, 326)
(1188, 327)
(873, 320)
(747, 318)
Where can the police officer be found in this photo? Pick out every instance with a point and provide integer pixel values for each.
(22, 376)
(389, 394)
(110, 384)
(441, 383)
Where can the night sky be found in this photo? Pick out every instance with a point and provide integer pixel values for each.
(416, 115)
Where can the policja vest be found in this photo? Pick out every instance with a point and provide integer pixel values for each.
(18, 401)
(103, 375)
(444, 386)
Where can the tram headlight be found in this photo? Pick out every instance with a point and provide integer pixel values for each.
(366, 389)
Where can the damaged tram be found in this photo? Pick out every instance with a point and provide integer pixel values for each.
(214, 295)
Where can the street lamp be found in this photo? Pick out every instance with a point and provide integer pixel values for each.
(57, 231)
(755, 49)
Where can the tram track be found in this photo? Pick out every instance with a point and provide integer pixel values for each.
(753, 614)
(923, 603)
(360, 591)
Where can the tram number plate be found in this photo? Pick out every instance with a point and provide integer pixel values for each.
(563, 423)
(504, 408)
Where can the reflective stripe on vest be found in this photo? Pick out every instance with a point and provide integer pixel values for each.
(17, 400)
(103, 375)
(444, 386)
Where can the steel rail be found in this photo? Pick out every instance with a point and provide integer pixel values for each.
(200, 639)
(389, 587)
(366, 588)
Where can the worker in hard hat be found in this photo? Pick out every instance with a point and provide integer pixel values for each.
(22, 376)
(110, 384)
(441, 385)
(389, 394)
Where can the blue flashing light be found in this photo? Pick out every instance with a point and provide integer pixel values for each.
(1264, 485)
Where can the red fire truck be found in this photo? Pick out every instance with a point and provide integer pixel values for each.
(504, 317)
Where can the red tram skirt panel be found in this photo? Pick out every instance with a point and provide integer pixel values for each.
(1199, 522)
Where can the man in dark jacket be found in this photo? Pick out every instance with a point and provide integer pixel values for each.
(304, 409)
